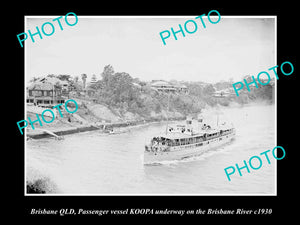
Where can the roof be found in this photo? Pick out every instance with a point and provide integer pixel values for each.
(41, 86)
(168, 85)
(178, 135)
(180, 86)
(137, 85)
(52, 80)
(46, 83)
(161, 83)
(175, 135)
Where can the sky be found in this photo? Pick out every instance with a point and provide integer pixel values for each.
(230, 49)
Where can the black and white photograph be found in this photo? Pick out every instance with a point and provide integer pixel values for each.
(150, 105)
(184, 111)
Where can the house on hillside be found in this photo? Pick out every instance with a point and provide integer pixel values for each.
(223, 93)
(164, 86)
(181, 88)
(47, 91)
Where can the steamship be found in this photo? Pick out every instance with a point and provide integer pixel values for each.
(187, 140)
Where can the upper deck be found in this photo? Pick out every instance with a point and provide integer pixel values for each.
(189, 134)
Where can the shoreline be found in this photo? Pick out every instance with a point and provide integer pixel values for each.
(105, 128)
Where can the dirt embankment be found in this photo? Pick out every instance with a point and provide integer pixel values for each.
(90, 116)
(105, 114)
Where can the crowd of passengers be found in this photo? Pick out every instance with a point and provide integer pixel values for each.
(186, 141)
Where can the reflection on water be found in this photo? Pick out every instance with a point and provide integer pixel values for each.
(93, 163)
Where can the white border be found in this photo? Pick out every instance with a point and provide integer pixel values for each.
(150, 194)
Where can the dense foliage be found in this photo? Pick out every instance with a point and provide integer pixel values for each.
(122, 93)
(118, 90)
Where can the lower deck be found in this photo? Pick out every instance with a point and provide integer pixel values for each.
(180, 152)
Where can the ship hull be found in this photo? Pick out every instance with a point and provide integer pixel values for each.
(186, 151)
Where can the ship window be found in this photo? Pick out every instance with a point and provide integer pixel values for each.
(182, 141)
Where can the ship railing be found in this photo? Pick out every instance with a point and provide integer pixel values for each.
(157, 148)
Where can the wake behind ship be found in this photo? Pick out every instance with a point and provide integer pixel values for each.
(187, 140)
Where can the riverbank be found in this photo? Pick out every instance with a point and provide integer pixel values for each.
(105, 128)
(91, 116)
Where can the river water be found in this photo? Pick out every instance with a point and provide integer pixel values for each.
(97, 164)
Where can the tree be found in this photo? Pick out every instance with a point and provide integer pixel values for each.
(117, 90)
(64, 77)
(208, 89)
(76, 78)
(83, 77)
(74, 85)
(107, 73)
(34, 79)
